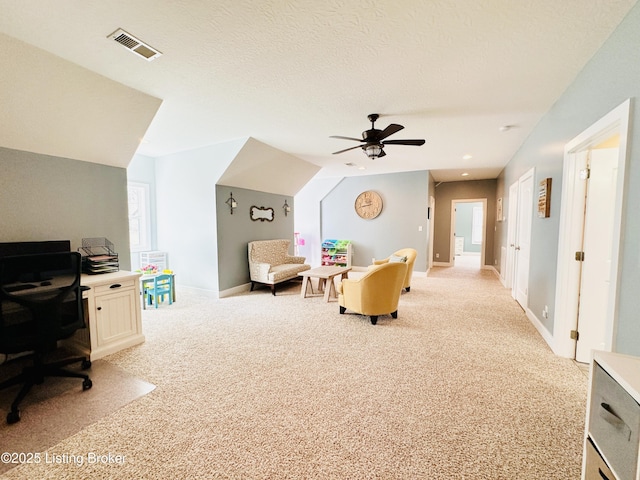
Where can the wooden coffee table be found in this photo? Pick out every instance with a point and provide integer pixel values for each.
(324, 275)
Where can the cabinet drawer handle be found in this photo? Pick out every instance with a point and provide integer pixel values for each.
(611, 418)
(115, 285)
(604, 477)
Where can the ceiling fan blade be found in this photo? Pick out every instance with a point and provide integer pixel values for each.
(404, 142)
(347, 149)
(390, 130)
(347, 138)
(382, 154)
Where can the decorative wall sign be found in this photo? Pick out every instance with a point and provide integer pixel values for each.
(544, 198)
(261, 213)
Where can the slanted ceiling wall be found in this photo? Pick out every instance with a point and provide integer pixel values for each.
(263, 168)
(54, 107)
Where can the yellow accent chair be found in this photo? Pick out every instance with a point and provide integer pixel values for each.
(410, 255)
(376, 293)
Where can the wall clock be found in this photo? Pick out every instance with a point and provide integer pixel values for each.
(368, 205)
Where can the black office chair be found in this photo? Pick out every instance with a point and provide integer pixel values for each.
(41, 303)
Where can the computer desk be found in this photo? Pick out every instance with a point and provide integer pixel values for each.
(112, 312)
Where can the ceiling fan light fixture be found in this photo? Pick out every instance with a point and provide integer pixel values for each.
(373, 151)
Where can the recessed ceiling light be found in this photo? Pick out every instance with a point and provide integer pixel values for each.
(362, 168)
(467, 157)
(465, 174)
(505, 128)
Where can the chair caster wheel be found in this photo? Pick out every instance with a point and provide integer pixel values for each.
(86, 364)
(87, 384)
(13, 417)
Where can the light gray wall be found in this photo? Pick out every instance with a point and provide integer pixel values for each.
(472, 189)
(52, 198)
(405, 199)
(611, 76)
(186, 212)
(307, 217)
(464, 225)
(237, 230)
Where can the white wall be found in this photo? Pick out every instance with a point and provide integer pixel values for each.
(307, 216)
(186, 211)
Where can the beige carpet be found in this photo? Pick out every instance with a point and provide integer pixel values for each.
(59, 408)
(254, 386)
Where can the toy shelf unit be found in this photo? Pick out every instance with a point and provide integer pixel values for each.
(337, 253)
(155, 258)
(98, 256)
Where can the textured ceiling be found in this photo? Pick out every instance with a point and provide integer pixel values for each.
(292, 73)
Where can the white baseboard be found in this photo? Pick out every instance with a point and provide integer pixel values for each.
(492, 268)
(544, 333)
(229, 292)
(442, 264)
(200, 291)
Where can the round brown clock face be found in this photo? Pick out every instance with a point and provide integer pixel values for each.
(368, 205)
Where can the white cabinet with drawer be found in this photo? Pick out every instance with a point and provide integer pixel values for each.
(112, 306)
(612, 434)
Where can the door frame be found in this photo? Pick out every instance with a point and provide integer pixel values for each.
(571, 224)
(512, 222)
(432, 209)
(452, 244)
(517, 256)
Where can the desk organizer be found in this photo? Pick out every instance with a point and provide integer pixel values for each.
(98, 256)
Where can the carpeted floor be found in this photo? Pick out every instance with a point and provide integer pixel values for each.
(254, 386)
(60, 408)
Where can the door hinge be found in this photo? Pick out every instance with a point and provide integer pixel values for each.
(585, 174)
(580, 256)
(574, 335)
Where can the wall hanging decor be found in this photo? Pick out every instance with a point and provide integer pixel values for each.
(261, 213)
(544, 198)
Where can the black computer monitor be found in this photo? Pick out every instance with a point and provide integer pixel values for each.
(30, 248)
(10, 249)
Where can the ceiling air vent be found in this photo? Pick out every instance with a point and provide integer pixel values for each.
(134, 45)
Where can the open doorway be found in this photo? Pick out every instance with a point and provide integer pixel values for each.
(468, 230)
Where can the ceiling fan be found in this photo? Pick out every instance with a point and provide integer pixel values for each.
(373, 140)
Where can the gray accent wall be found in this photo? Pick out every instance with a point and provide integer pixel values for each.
(610, 77)
(237, 230)
(445, 193)
(51, 198)
(405, 199)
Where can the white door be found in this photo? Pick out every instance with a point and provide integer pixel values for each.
(512, 218)
(596, 272)
(611, 131)
(523, 239)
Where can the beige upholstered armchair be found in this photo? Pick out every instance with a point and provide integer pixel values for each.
(407, 255)
(271, 264)
(376, 293)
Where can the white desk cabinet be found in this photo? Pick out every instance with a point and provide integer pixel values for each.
(612, 434)
(112, 305)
